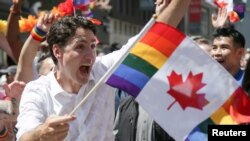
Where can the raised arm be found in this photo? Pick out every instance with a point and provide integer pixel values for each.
(30, 48)
(13, 34)
(221, 19)
(174, 12)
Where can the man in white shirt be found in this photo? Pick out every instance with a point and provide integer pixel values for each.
(46, 101)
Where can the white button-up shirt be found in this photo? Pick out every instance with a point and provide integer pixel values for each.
(45, 97)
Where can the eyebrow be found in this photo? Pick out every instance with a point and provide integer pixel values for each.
(83, 39)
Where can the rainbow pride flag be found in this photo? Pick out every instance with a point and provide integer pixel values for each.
(230, 113)
(82, 4)
(174, 80)
(146, 58)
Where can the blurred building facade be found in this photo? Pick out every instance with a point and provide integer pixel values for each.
(128, 17)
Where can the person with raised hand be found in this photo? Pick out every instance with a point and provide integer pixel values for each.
(72, 44)
(132, 122)
(25, 67)
(228, 48)
(25, 73)
(221, 19)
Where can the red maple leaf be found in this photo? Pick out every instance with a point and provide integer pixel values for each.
(185, 92)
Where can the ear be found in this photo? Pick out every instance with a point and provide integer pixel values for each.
(241, 52)
(57, 51)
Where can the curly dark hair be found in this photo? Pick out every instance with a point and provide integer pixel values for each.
(65, 28)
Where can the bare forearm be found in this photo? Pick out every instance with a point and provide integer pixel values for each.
(13, 34)
(25, 65)
(13, 27)
(31, 135)
(175, 11)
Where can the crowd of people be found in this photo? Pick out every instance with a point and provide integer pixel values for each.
(58, 65)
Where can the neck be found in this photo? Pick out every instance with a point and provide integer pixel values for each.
(67, 84)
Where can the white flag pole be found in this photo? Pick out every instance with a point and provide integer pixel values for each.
(74, 11)
(115, 65)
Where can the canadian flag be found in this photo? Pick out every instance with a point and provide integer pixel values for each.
(180, 85)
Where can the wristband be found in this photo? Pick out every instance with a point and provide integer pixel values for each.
(38, 34)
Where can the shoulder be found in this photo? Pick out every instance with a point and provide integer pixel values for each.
(128, 103)
(36, 89)
(39, 83)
